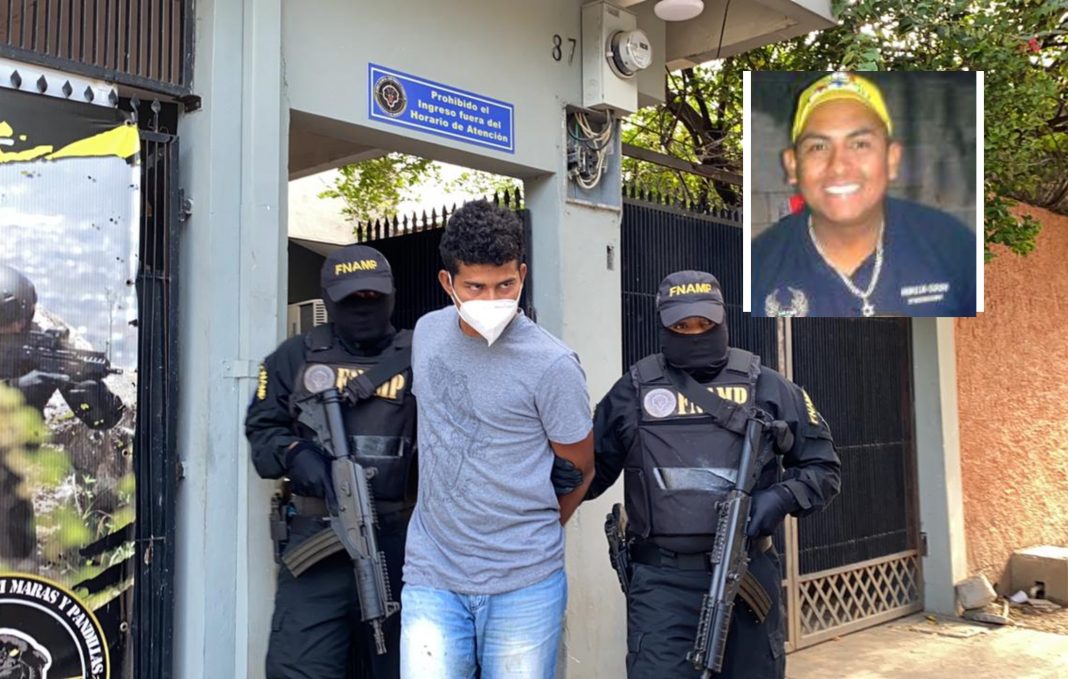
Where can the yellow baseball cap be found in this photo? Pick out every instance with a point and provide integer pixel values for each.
(836, 86)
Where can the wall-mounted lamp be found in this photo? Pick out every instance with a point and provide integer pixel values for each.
(678, 10)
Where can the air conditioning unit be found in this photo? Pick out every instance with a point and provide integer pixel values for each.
(303, 316)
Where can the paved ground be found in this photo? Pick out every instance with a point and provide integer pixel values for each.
(1045, 621)
(919, 648)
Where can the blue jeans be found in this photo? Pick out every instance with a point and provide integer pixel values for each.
(445, 635)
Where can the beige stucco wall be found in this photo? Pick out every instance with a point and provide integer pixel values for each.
(1012, 364)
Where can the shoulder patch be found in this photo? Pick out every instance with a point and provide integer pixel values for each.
(814, 417)
(261, 384)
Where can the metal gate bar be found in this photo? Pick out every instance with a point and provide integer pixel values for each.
(142, 43)
(657, 240)
(155, 455)
(853, 567)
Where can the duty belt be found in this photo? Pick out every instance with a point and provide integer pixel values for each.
(315, 507)
(751, 592)
(650, 554)
(308, 506)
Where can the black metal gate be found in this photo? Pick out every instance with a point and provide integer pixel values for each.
(656, 240)
(857, 563)
(410, 244)
(155, 455)
(138, 623)
(147, 44)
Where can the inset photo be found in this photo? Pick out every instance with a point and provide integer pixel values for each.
(861, 194)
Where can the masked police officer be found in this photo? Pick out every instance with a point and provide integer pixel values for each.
(316, 629)
(90, 400)
(678, 461)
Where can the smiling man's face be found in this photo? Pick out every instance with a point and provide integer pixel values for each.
(842, 163)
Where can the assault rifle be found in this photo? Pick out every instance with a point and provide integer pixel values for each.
(730, 557)
(47, 351)
(352, 521)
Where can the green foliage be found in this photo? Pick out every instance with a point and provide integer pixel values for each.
(701, 122)
(126, 487)
(1020, 46)
(374, 188)
(66, 529)
(22, 433)
(19, 424)
(68, 507)
(1016, 233)
(481, 183)
(46, 467)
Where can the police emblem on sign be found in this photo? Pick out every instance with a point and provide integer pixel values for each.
(45, 631)
(660, 403)
(390, 96)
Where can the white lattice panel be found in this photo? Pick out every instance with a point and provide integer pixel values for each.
(845, 597)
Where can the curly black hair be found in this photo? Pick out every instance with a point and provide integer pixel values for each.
(481, 233)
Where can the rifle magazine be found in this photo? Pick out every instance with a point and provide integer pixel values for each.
(313, 550)
(755, 596)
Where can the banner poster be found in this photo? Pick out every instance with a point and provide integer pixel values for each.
(69, 200)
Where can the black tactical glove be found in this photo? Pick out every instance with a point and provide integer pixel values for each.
(565, 476)
(37, 379)
(309, 472)
(768, 509)
(783, 437)
(94, 404)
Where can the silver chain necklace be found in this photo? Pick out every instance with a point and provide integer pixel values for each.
(866, 307)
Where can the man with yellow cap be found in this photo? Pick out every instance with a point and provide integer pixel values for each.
(853, 251)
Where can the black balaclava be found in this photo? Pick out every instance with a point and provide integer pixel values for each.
(363, 324)
(703, 355)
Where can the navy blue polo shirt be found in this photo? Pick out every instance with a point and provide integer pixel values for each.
(928, 268)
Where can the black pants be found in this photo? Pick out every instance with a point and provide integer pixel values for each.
(18, 535)
(316, 632)
(662, 612)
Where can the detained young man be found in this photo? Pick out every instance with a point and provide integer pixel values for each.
(499, 399)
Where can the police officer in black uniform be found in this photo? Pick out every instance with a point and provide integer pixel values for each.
(316, 629)
(677, 462)
(90, 400)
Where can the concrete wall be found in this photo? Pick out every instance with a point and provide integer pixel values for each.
(231, 280)
(938, 455)
(578, 298)
(499, 50)
(1014, 404)
(933, 116)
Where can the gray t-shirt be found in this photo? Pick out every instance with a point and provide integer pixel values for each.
(487, 520)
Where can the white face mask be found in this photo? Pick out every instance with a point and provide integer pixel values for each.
(489, 317)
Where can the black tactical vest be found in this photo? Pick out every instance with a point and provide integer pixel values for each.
(381, 429)
(682, 462)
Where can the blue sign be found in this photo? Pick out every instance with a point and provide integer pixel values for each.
(401, 99)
